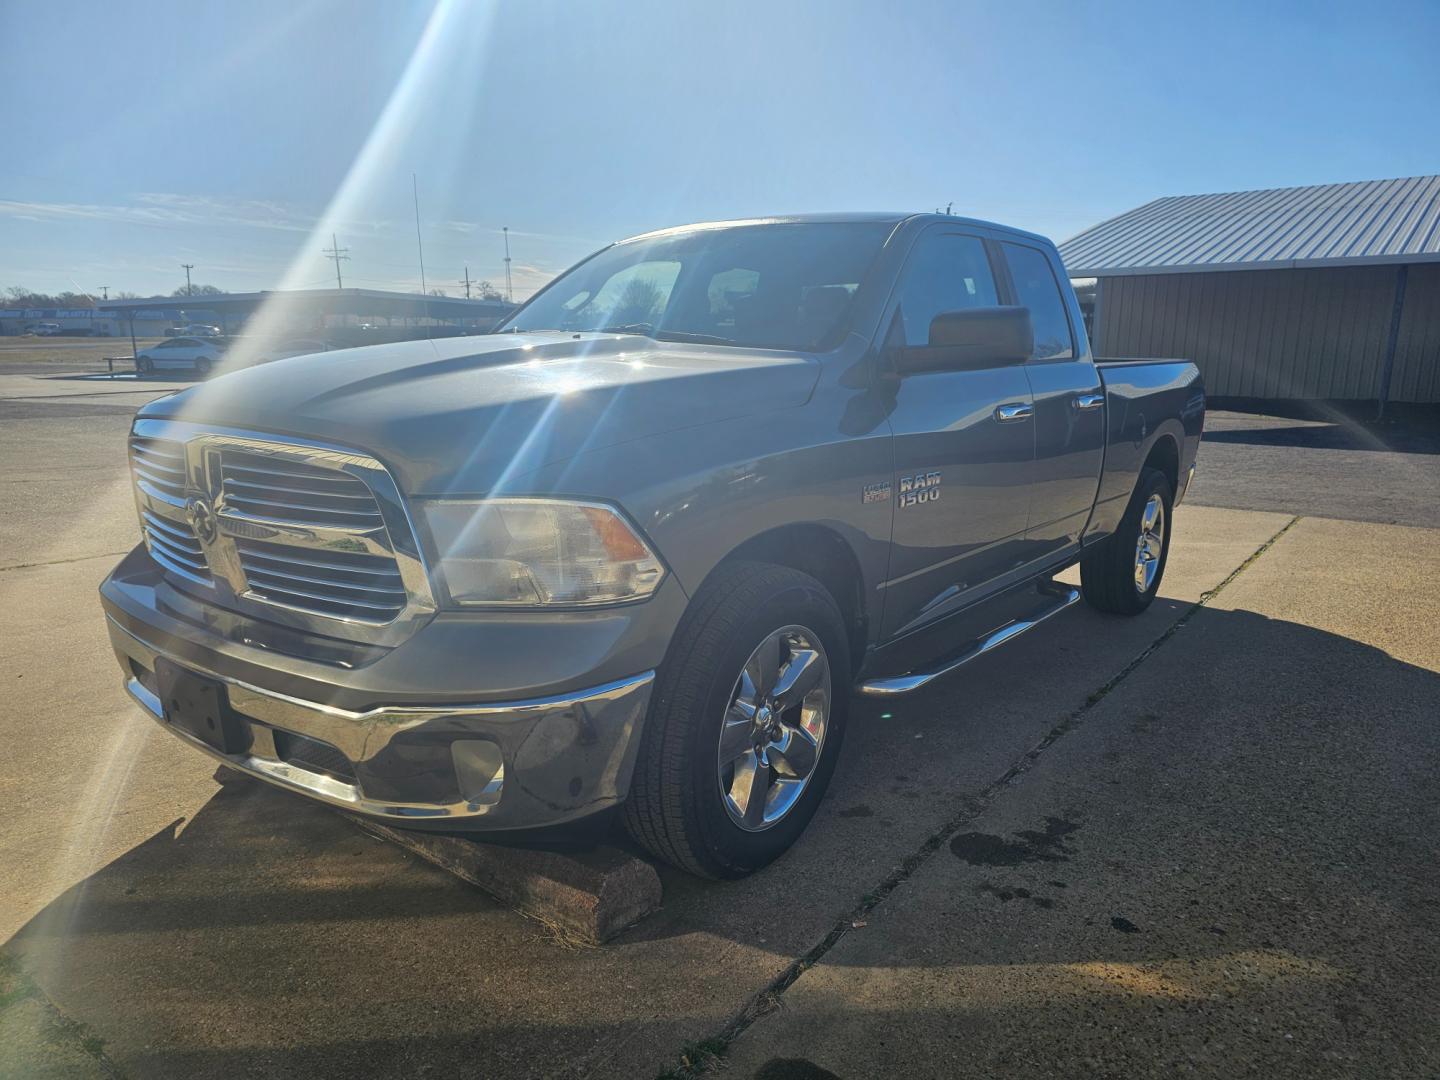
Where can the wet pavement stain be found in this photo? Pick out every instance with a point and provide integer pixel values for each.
(985, 849)
(1006, 893)
(793, 1069)
(856, 811)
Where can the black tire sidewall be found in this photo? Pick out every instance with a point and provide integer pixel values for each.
(733, 850)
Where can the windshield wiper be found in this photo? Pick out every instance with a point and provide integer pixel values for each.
(644, 329)
(694, 339)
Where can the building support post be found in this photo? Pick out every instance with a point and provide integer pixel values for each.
(1402, 276)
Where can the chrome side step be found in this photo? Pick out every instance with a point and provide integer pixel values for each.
(891, 685)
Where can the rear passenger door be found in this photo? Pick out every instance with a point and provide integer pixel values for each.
(1069, 404)
(964, 444)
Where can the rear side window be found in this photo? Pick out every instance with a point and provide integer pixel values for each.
(1037, 289)
(945, 272)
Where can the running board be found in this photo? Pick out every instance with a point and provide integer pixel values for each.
(892, 685)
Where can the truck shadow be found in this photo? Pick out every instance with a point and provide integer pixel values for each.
(269, 936)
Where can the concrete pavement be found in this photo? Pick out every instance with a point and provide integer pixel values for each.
(161, 923)
(1228, 868)
(259, 932)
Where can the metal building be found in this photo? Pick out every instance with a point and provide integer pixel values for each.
(1331, 291)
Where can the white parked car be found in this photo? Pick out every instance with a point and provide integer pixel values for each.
(179, 353)
(201, 330)
(45, 329)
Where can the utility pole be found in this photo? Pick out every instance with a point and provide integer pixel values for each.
(336, 252)
(188, 267)
(105, 292)
(466, 283)
(509, 292)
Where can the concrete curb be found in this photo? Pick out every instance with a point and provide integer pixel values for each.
(588, 896)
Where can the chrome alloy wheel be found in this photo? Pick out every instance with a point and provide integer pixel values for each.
(1150, 543)
(774, 728)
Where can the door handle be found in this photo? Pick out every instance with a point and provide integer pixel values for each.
(1088, 401)
(1008, 414)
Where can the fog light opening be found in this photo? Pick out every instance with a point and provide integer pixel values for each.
(479, 771)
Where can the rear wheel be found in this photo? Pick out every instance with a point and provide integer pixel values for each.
(1122, 573)
(746, 723)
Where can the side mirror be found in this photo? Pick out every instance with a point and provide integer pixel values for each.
(973, 338)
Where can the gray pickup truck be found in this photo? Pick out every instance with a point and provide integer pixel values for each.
(635, 551)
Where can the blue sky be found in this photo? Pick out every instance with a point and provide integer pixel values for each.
(237, 136)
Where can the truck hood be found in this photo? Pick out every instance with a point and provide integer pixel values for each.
(466, 415)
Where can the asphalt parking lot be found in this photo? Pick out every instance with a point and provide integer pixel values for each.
(1202, 840)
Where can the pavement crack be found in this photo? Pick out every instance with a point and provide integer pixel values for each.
(769, 998)
(55, 1027)
(61, 562)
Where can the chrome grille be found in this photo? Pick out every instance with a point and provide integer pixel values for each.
(303, 534)
(342, 584)
(174, 546)
(279, 489)
(160, 463)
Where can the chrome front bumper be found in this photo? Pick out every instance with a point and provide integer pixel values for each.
(491, 767)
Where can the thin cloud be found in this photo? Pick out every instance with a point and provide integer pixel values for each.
(164, 209)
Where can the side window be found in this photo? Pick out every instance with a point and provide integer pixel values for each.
(1037, 289)
(945, 272)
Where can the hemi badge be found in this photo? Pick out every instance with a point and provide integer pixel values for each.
(873, 493)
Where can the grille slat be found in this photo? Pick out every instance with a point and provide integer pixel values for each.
(339, 584)
(233, 483)
(383, 568)
(161, 464)
(175, 547)
(279, 577)
(278, 489)
(333, 605)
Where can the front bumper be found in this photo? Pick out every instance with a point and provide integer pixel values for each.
(540, 758)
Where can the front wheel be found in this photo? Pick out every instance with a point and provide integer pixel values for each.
(202, 367)
(1122, 573)
(144, 366)
(746, 723)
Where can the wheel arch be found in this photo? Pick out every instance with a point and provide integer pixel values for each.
(1164, 454)
(825, 555)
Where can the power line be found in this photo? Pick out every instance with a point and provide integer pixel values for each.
(419, 244)
(336, 252)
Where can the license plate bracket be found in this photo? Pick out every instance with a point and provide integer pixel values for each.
(200, 707)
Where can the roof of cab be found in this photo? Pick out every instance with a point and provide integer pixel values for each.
(864, 217)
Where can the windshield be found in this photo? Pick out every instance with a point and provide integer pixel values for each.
(778, 286)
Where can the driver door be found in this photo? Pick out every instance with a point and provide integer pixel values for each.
(964, 444)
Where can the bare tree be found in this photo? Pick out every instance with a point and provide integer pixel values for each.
(639, 303)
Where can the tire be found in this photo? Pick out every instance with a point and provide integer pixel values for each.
(679, 808)
(202, 367)
(144, 366)
(1110, 573)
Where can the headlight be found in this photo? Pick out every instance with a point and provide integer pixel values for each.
(529, 552)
